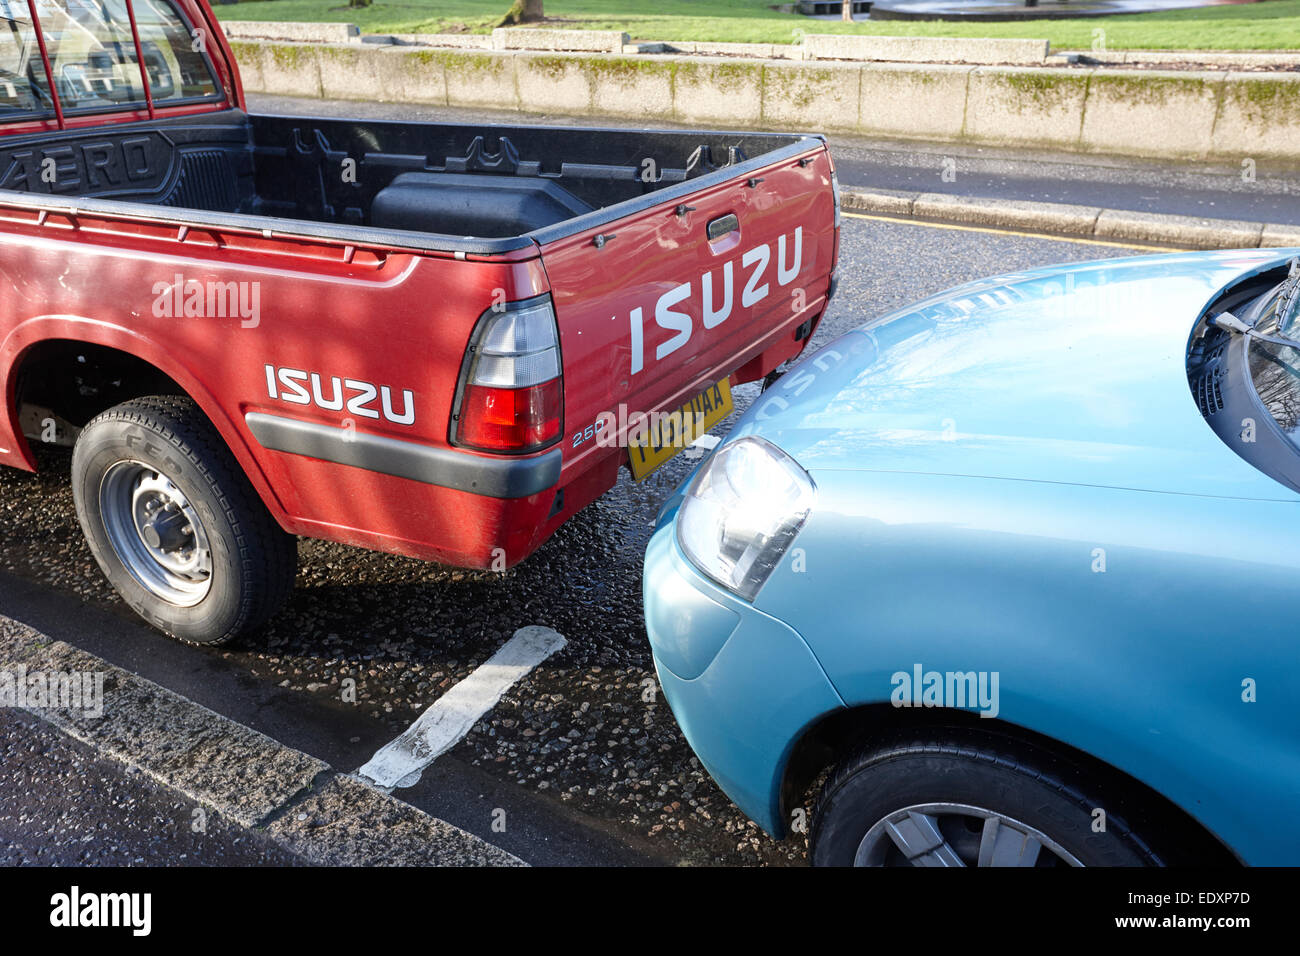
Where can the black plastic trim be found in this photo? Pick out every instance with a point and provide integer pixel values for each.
(476, 474)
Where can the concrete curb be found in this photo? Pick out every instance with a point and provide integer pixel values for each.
(302, 804)
(853, 46)
(1086, 222)
(1250, 59)
(550, 41)
(298, 31)
(1186, 115)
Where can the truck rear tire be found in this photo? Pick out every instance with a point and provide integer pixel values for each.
(175, 524)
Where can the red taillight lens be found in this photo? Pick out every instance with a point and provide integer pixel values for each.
(511, 393)
(509, 419)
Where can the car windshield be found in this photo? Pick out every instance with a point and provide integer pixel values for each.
(1275, 368)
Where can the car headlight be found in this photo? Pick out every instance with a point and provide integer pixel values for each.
(741, 512)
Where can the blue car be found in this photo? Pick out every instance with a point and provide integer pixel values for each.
(1009, 577)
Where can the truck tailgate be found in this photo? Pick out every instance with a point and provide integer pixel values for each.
(655, 306)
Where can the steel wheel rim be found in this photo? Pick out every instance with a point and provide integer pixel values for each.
(957, 834)
(156, 533)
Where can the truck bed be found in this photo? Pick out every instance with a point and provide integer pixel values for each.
(480, 188)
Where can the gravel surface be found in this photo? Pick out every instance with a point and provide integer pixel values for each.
(588, 728)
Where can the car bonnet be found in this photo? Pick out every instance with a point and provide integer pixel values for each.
(1073, 374)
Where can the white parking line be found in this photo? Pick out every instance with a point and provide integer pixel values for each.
(702, 446)
(445, 724)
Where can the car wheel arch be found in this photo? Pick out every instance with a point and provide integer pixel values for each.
(828, 740)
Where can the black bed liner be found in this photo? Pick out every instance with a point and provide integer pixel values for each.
(320, 178)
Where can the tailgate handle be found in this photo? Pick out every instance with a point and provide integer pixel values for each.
(722, 226)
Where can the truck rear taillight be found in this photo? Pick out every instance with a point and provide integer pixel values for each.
(511, 395)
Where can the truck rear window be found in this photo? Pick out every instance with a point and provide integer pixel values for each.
(93, 57)
(18, 97)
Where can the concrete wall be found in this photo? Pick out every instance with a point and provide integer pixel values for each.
(291, 30)
(1180, 114)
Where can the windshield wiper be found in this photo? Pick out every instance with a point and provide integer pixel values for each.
(1230, 323)
(1288, 298)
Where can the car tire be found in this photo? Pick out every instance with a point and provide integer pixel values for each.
(956, 797)
(174, 523)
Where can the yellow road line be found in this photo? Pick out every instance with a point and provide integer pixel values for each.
(1015, 232)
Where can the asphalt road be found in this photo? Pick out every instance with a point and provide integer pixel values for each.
(583, 754)
(1259, 191)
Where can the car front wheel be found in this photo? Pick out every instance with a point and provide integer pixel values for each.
(963, 798)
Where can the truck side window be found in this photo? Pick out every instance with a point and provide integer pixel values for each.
(93, 57)
(19, 97)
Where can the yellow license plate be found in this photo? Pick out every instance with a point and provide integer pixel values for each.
(668, 433)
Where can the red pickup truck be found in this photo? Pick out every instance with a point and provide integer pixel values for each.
(437, 340)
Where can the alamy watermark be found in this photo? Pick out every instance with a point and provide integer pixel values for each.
(79, 692)
(184, 298)
(73, 909)
(955, 689)
(676, 429)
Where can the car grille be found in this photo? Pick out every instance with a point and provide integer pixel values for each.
(1209, 396)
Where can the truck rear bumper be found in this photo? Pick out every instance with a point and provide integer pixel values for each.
(444, 467)
(435, 504)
